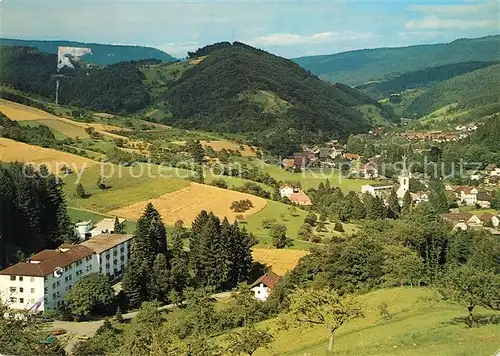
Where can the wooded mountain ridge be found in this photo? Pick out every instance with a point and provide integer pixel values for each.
(103, 54)
(361, 66)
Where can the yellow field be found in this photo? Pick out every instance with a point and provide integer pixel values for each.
(12, 151)
(219, 145)
(67, 127)
(280, 261)
(185, 204)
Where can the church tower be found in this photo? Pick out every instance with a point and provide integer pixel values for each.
(404, 181)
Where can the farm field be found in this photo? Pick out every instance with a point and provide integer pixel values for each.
(128, 186)
(420, 325)
(67, 127)
(280, 261)
(58, 135)
(12, 151)
(186, 203)
(312, 178)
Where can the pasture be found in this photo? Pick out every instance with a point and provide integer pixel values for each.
(219, 145)
(419, 324)
(128, 185)
(12, 151)
(313, 177)
(280, 261)
(186, 203)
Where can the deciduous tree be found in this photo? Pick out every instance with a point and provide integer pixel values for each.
(91, 295)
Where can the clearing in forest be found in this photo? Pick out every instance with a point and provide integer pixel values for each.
(185, 204)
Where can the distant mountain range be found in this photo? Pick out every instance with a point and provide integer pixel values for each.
(104, 54)
(383, 64)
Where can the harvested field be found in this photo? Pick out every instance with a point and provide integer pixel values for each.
(280, 261)
(11, 151)
(185, 204)
(67, 127)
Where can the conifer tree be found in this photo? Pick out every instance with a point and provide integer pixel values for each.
(160, 281)
(437, 198)
(194, 239)
(179, 274)
(210, 266)
(407, 203)
(119, 227)
(393, 205)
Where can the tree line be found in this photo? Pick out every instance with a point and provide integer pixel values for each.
(33, 213)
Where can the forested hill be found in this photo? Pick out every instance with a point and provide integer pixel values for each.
(361, 66)
(477, 89)
(103, 54)
(238, 88)
(420, 78)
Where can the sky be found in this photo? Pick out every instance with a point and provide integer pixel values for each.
(286, 28)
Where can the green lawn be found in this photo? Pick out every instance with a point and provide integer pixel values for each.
(127, 186)
(83, 215)
(312, 178)
(233, 181)
(420, 325)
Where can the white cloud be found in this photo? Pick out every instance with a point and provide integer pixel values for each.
(435, 23)
(179, 50)
(290, 39)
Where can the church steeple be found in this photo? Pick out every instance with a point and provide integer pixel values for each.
(404, 180)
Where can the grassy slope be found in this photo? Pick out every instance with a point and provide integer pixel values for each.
(312, 178)
(419, 326)
(125, 189)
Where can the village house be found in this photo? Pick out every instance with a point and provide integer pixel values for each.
(484, 200)
(300, 198)
(287, 190)
(467, 195)
(462, 220)
(263, 286)
(83, 228)
(490, 219)
(368, 171)
(351, 156)
(41, 282)
(419, 197)
(377, 190)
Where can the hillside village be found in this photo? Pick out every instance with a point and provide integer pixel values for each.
(236, 202)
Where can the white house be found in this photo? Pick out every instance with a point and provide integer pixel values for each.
(83, 228)
(462, 220)
(105, 226)
(376, 190)
(495, 172)
(484, 200)
(488, 218)
(287, 191)
(467, 195)
(41, 282)
(112, 253)
(263, 286)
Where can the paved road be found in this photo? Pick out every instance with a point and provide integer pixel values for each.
(89, 328)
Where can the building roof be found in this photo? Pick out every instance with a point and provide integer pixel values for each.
(486, 216)
(83, 223)
(288, 162)
(458, 217)
(482, 196)
(301, 198)
(103, 242)
(46, 261)
(351, 156)
(269, 280)
(106, 225)
(465, 189)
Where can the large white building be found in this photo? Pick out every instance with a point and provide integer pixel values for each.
(41, 282)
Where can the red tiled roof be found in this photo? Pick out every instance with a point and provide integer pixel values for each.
(48, 264)
(463, 216)
(269, 280)
(351, 156)
(300, 198)
(486, 217)
(465, 189)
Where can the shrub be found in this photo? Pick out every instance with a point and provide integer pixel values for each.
(221, 183)
(338, 227)
(240, 206)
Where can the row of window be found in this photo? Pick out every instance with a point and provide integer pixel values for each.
(21, 300)
(56, 295)
(21, 290)
(13, 278)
